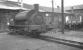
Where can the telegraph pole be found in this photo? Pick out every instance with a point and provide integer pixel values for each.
(52, 5)
(20, 2)
(52, 10)
(62, 10)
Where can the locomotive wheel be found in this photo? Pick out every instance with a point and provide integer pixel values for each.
(35, 33)
(20, 32)
(12, 32)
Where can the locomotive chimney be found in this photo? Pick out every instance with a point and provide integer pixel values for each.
(36, 7)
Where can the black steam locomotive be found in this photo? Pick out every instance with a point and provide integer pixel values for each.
(28, 22)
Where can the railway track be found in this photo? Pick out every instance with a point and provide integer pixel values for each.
(60, 41)
(57, 40)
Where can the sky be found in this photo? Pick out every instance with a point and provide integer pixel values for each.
(47, 3)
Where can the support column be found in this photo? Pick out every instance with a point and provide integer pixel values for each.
(62, 7)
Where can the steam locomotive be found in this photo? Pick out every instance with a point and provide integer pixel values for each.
(28, 22)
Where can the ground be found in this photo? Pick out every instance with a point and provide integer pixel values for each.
(16, 42)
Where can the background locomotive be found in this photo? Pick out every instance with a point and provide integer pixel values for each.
(74, 21)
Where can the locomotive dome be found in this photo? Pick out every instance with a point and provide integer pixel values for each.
(23, 15)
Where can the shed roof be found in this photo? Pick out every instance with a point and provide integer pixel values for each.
(10, 5)
(14, 6)
(74, 7)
